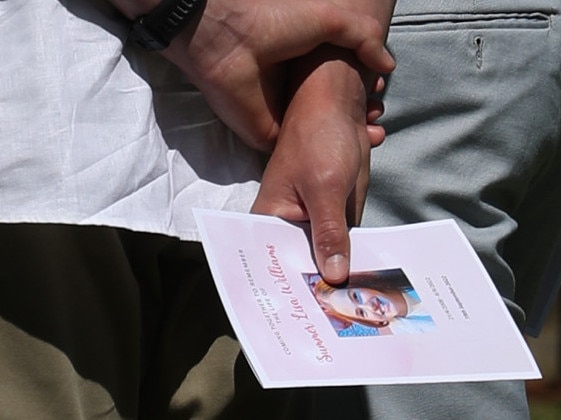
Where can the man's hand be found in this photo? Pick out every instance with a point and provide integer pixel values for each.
(235, 55)
(320, 167)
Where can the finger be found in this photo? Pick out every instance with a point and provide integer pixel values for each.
(376, 134)
(378, 84)
(330, 236)
(274, 206)
(277, 197)
(324, 22)
(357, 198)
(364, 36)
(331, 245)
(374, 109)
(332, 250)
(329, 231)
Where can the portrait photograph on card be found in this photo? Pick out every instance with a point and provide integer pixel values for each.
(379, 302)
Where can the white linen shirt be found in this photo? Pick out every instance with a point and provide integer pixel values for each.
(91, 134)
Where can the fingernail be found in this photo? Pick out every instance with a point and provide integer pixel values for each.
(336, 267)
(389, 57)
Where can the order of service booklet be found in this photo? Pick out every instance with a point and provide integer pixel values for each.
(419, 307)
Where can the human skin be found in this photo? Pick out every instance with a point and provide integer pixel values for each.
(319, 170)
(366, 306)
(237, 55)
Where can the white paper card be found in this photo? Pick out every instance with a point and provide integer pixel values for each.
(419, 306)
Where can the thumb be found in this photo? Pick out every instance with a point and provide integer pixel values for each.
(331, 243)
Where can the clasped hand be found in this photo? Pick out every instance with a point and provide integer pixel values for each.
(311, 111)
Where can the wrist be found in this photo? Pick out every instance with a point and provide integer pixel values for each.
(134, 9)
(332, 79)
(157, 22)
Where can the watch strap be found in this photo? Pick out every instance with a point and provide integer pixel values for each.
(156, 30)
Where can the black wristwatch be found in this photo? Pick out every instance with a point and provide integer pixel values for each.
(156, 30)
